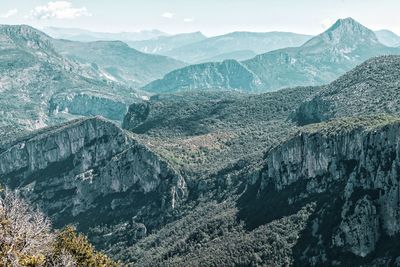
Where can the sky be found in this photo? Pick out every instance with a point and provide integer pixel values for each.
(212, 17)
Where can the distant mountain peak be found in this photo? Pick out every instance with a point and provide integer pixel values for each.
(22, 30)
(347, 21)
(388, 38)
(26, 37)
(344, 32)
(348, 25)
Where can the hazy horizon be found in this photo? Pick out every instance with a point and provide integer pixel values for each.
(177, 16)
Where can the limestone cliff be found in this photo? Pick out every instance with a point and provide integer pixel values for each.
(89, 103)
(351, 169)
(91, 173)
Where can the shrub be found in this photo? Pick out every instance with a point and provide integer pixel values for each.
(26, 239)
(81, 250)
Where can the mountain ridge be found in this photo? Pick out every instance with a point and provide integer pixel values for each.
(319, 61)
(343, 168)
(352, 93)
(76, 34)
(388, 38)
(258, 42)
(162, 44)
(33, 72)
(117, 61)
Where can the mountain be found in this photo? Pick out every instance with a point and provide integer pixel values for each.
(388, 38)
(33, 75)
(162, 44)
(231, 43)
(371, 88)
(221, 178)
(237, 55)
(204, 131)
(324, 191)
(117, 61)
(245, 159)
(229, 74)
(82, 35)
(319, 61)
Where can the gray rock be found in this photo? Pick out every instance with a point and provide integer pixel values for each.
(357, 166)
(90, 172)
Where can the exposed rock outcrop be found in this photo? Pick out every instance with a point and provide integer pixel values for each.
(351, 167)
(90, 172)
(137, 114)
(89, 103)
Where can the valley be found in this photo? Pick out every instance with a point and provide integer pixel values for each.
(242, 149)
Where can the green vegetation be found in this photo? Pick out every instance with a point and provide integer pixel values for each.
(78, 246)
(26, 239)
(200, 133)
(211, 236)
(217, 141)
(347, 124)
(370, 89)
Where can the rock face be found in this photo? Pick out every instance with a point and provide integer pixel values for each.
(319, 61)
(136, 115)
(87, 103)
(91, 173)
(351, 169)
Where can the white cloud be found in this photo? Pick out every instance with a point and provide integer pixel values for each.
(59, 10)
(188, 20)
(327, 23)
(9, 13)
(168, 15)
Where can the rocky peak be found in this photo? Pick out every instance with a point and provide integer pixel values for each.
(344, 33)
(25, 37)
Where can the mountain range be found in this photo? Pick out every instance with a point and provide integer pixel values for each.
(230, 46)
(204, 173)
(118, 62)
(320, 60)
(45, 80)
(203, 178)
(197, 48)
(163, 44)
(32, 72)
(299, 175)
(81, 35)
